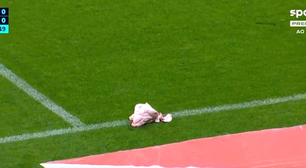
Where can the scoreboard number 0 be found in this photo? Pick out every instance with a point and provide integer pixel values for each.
(3, 20)
(3, 11)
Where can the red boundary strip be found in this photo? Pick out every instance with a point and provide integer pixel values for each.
(267, 148)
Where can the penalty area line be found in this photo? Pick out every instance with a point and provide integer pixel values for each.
(183, 113)
(23, 85)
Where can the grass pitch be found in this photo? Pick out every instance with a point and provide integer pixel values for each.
(97, 59)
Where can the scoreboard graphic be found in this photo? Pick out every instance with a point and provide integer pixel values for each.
(4, 20)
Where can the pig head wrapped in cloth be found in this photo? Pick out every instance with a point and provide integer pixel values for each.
(144, 114)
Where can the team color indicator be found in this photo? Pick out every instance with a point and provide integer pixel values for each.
(4, 20)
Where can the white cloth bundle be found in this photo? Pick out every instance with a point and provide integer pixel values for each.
(144, 114)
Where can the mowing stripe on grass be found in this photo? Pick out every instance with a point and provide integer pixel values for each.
(184, 113)
(8, 74)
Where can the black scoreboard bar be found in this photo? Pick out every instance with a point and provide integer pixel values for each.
(4, 20)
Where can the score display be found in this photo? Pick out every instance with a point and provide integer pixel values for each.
(4, 20)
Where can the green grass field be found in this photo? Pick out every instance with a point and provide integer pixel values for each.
(97, 59)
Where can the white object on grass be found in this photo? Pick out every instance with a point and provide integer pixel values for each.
(144, 114)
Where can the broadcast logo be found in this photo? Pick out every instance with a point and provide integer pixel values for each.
(297, 14)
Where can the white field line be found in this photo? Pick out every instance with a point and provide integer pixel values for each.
(184, 113)
(8, 74)
(57, 165)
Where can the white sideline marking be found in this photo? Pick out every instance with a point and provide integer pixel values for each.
(8, 74)
(250, 104)
(50, 165)
(54, 132)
